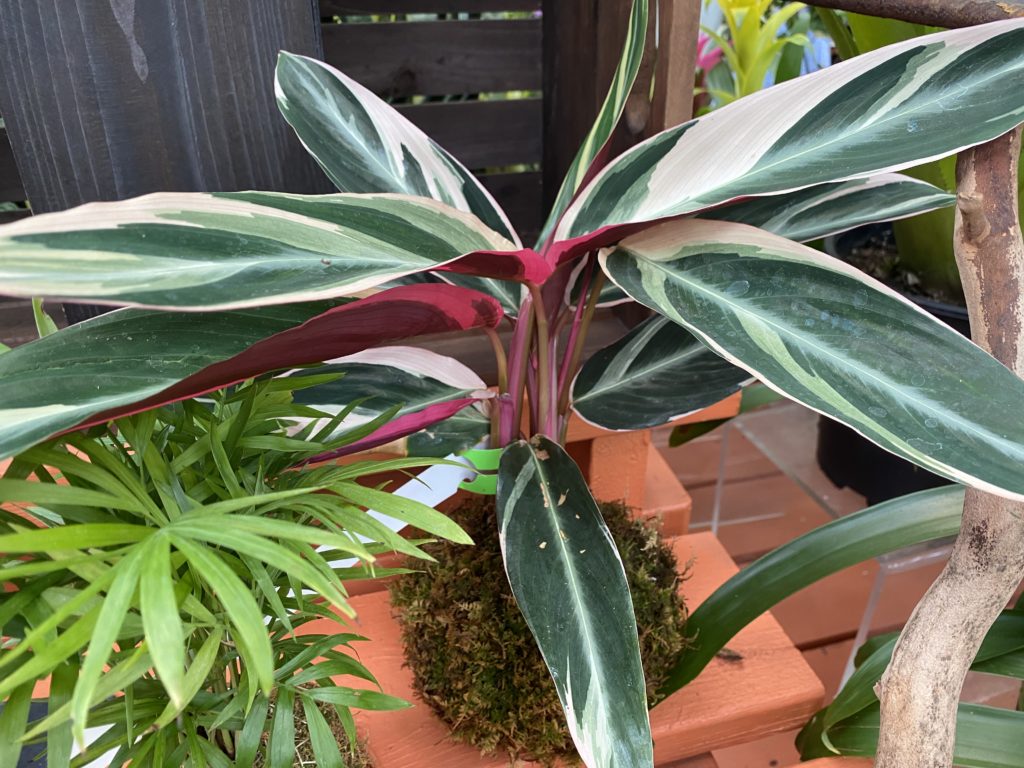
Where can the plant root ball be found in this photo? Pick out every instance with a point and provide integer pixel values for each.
(473, 658)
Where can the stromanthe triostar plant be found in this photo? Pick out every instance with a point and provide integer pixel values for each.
(698, 223)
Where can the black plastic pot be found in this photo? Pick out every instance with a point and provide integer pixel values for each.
(852, 461)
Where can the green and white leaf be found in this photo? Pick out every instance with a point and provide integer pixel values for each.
(568, 580)
(828, 209)
(120, 358)
(411, 379)
(233, 250)
(889, 109)
(365, 145)
(657, 372)
(606, 120)
(824, 334)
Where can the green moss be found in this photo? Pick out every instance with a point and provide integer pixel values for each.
(473, 658)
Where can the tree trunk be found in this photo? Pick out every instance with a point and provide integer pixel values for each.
(937, 13)
(921, 688)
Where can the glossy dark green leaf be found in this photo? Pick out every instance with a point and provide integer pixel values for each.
(816, 212)
(657, 372)
(568, 580)
(986, 737)
(829, 336)
(886, 527)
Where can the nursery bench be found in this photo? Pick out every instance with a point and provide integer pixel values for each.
(769, 688)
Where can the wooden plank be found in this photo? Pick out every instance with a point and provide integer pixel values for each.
(769, 689)
(483, 134)
(780, 508)
(11, 189)
(571, 90)
(108, 103)
(344, 7)
(435, 58)
(697, 463)
(519, 194)
(673, 80)
(6, 217)
(666, 500)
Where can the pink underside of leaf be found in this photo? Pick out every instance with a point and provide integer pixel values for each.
(397, 313)
(525, 266)
(562, 251)
(399, 428)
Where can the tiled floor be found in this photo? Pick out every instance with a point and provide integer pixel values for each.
(822, 619)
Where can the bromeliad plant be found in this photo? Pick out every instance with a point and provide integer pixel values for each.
(161, 570)
(700, 223)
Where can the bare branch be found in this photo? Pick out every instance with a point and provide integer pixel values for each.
(920, 689)
(938, 13)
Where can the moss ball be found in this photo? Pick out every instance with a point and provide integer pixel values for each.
(473, 658)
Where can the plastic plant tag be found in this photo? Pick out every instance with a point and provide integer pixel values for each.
(485, 461)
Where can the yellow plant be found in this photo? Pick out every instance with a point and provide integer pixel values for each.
(753, 45)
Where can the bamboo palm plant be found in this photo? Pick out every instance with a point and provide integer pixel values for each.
(701, 223)
(162, 571)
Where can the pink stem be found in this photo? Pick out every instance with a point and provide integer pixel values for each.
(518, 360)
(577, 322)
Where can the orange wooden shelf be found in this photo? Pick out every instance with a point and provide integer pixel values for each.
(769, 688)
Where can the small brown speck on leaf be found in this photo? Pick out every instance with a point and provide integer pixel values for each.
(582, 551)
(325, 262)
(542, 545)
(562, 534)
(542, 454)
(562, 498)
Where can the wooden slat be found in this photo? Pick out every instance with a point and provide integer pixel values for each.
(483, 134)
(436, 58)
(6, 217)
(520, 195)
(343, 7)
(182, 101)
(11, 189)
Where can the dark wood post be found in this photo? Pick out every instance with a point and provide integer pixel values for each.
(582, 44)
(109, 99)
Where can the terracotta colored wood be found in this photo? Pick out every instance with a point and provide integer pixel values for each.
(780, 509)
(616, 466)
(770, 689)
(838, 762)
(666, 499)
(697, 463)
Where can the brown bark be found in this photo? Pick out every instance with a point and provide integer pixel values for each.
(920, 689)
(938, 13)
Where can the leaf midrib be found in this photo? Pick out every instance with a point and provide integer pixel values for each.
(841, 360)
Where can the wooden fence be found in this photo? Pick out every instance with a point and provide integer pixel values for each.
(119, 100)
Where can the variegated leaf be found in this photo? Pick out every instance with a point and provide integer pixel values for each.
(236, 250)
(826, 335)
(130, 360)
(827, 209)
(815, 212)
(657, 372)
(364, 145)
(568, 580)
(586, 163)
(886, 110)
(425, 387)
